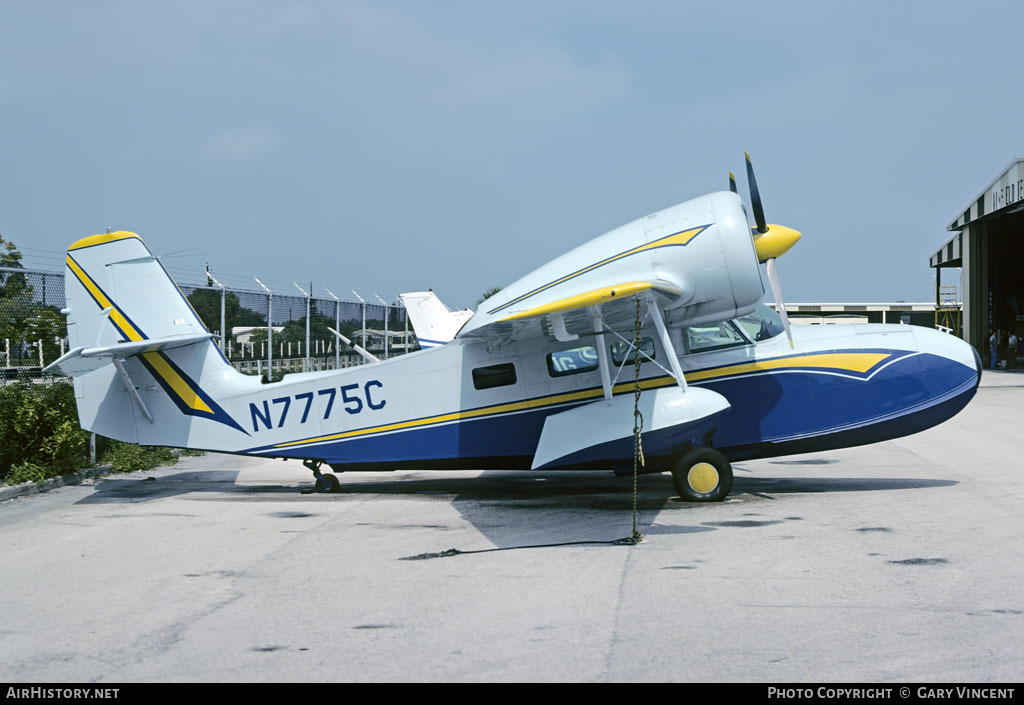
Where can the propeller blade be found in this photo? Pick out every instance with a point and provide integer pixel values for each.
(773, 279)
(755, 198)
(732, 183)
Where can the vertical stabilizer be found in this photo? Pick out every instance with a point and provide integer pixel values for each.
(433, 322)
(144, 365)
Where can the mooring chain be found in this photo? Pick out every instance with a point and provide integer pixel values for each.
(638, 421)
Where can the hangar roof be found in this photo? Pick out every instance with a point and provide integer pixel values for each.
(1003, 195)
(1006, 191)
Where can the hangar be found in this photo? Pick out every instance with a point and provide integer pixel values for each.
(987, 246)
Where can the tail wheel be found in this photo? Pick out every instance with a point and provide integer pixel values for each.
(702, 475)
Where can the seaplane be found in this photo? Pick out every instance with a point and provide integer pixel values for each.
(651, 337)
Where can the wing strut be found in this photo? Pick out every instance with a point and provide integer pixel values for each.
(602, 353)
(666, 342)
(369, 357)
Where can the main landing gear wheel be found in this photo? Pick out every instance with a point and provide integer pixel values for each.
(702, 475)
(325, 483)
(328, 484)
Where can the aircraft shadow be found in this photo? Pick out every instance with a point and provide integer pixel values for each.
(508, 508)
(591, 490)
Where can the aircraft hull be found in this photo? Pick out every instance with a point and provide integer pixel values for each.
(815, 399)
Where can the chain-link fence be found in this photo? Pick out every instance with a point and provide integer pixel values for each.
(299, 336)
(260, 331)
(32, 330)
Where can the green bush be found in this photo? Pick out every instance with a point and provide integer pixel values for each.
(40, 437)
(39, 427)
(128, 457)
(27, 472)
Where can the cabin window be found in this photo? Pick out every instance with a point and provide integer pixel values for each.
(623, 352)
(713, 337)
(494, 376)
(572, 362)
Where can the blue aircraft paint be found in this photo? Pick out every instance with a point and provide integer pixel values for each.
(770, 413)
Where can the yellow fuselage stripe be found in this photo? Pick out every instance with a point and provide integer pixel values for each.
(849, 362)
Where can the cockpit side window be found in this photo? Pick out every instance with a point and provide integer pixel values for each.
(713, 337)
(762, 324)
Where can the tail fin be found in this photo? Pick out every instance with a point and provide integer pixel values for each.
(141, 358)
(433, 322)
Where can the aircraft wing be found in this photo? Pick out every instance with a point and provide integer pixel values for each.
(574, 315)
(696, 259)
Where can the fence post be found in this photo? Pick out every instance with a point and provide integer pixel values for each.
(40, 344)
(387, 309)
(364, 316)
(223, 333)
(309, 298)
(270, 332)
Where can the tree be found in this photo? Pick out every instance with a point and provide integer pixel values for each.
(46, 324)
(488, 294)
(16, 302)
(206, 302)
(12, 284)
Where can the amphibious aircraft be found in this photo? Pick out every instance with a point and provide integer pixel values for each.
(544, 375)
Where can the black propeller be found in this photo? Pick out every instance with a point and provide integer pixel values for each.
(769, 243)
(755, 198)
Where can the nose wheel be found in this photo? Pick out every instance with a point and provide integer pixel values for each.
(326, 483)
(702, 475)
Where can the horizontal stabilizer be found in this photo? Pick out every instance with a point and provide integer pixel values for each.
(84, 359)
(674, 419)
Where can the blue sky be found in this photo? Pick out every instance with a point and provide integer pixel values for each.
(396, 146)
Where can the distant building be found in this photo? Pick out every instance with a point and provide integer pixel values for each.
(398, 341)
(988, 247)
(243, 334)
(914, 314)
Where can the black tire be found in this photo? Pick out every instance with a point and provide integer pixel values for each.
(328, 484)
(702, 475)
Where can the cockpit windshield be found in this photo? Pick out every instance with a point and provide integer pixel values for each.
(762, 324)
